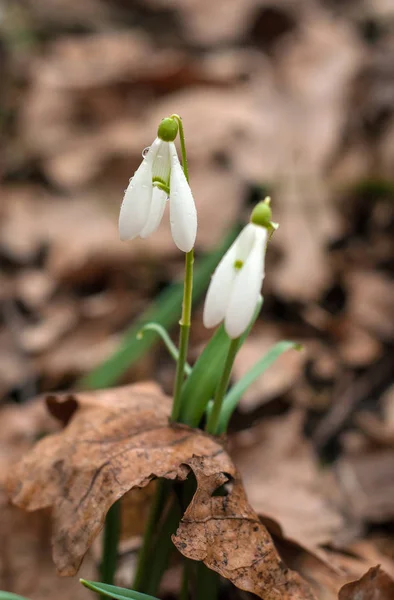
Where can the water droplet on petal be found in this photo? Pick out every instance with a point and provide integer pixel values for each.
(145, 151)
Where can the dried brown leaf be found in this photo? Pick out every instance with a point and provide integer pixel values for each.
(119, 439)
(25, 559)
(225, 533)
(380, 430)
(374, 585)
(340, 567)
(115, 440)
(284, 481)
(371, 302)
(366, 481)
(277, 380)
(203, 22)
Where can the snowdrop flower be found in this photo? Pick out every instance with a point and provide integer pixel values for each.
(236, 283)
(160, 176)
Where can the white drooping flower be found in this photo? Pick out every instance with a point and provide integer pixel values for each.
(235, 286)
(159, 177)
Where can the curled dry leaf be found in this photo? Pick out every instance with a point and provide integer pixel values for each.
(225, 533)
(118, 439)
(115, 440)
(374, 585)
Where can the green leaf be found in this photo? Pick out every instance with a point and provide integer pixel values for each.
(233, 397)
(163, 548)
(10, 596)
(165, 311)
(167, 341)
(113, 591)
(200, 386)
(207, 583)
(110, 544)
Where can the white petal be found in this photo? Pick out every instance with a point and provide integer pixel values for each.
(219, 290)
(136, 202)
(183, 214)
(246, 288)
(157, 206)
(162, 163)
(245, 241)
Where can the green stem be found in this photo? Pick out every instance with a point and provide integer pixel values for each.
(183, 145)
(187, 300)
(110, 544)
(213, 419)
(145, 568)
(183, 334)
(144, 556)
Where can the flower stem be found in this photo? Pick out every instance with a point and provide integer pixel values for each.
(187, 300)
(213, 419)
(110, 544)
(183, 145)
(183, 334)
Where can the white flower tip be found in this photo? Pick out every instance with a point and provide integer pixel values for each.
(184, 233)
(234, 328)
(125, 232)
(123, 235)
(183, 214)
(209, 319)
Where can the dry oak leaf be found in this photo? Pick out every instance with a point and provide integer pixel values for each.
(226, 533)
(118, 439)
(374, 585)
(114, 440)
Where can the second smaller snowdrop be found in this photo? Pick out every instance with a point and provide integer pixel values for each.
(236, 283)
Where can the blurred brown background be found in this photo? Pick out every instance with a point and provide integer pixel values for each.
(294, 98)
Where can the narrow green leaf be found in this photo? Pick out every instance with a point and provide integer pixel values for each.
(207, 583)
(10, 596)
(163, 549)
(231, 400)
(110, 544)
(167, 341)
(165, 310)
(200, 386)
(113, 591)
